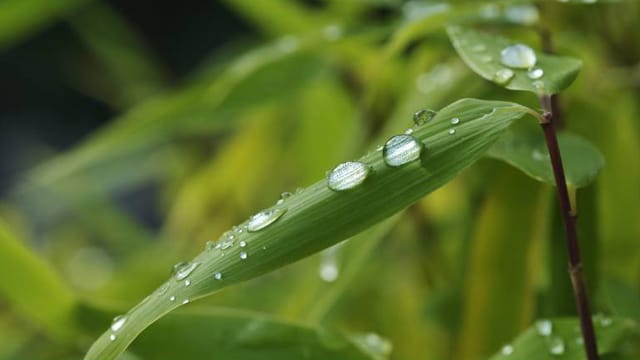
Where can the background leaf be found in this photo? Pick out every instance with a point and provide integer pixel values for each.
(481, 52)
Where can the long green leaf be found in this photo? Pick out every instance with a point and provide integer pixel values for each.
(32, 288)
(482, 53)
(564, 340)
(239, 335)
(319, 217)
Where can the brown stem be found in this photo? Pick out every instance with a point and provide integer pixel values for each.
(569, 216)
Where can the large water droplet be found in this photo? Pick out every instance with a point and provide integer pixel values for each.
(544, 327)
(556, 346)
(401, 149)
(263, 219)
(503, 76)
(506, 350)
(183, 269)
(518, 56)
(347, 175)
(423, 116)
(117, 322)
(535, 73)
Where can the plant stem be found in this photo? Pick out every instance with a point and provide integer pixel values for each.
(569, 216)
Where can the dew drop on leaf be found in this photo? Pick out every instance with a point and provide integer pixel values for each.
(518, 56)
(347, 175)
(455, 121)
(535, 73)
(401, 149)
(263, 219)
(183, 269)
(243, 255)
(423, 116)
(556, 346)
(544, 327)
(506, 350)
(218, 276)
(503, 76)
(452, 131)
(117, 322)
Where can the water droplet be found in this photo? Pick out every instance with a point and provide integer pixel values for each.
(332, 32)
(185, 301)
(452, 131)
(408, 131)
(329, 272)
(535, 73)
(187, 282)
(503, 76)
(243, 255)
(347, 175)
(172, 298)
(263, 219)
(556, 346)
(283, 197)
(518, 56)
(117, 322)
(506, 350)
(423, 116)
(183, 269)
(243, 243)
(538, 84)
(455, 121)
(112, 337)
(544, 327)
(401, 149)
(218, 276)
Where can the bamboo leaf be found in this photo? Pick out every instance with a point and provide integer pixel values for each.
(482, 53)
(525, 149)
(241, 335)
(318, 217)
(564, 339)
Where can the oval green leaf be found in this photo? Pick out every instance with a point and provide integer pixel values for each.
(318, 217)
(481, 52)
(525, 149)
(565, 341)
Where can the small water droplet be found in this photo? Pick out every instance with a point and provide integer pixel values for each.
(112, 337)
(452, 131)
(401, 149)
(556, 346)
(423, 116)
(408, 131)
(243, 243)
(283, 197)
(347, 175)
(518, 56)
(538, 84)
(243, 255)
(535, 73)
(218, 276)
(506, 350)
(172, 298)
(329, 271)
(187, 282)
(183, 269)
(503, 76)
(263, 219)
(544, 327)
(455, 121)
(332, 32)
(117, 322)
(185, 301)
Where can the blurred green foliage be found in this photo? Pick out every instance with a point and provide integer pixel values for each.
(455, 276)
